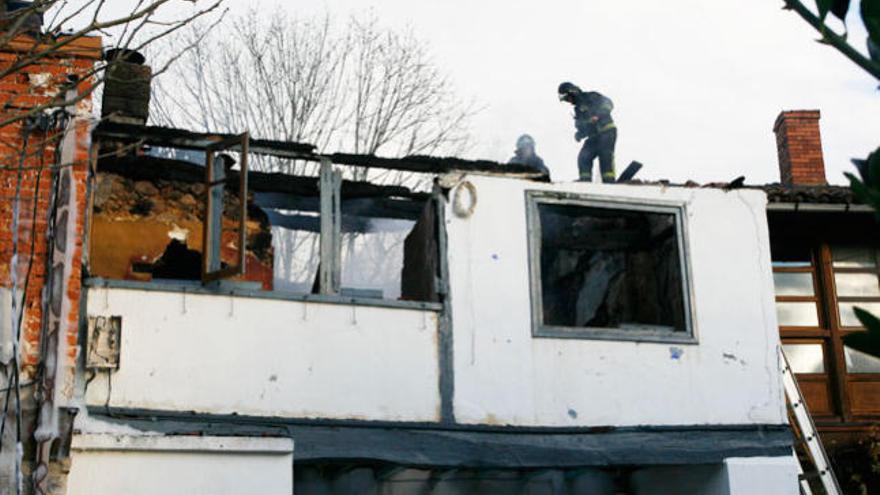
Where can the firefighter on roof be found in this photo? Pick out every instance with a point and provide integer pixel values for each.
(525, 154)
(592, 119)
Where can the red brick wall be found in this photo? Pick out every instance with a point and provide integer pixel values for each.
(799, 145)
(26, 88)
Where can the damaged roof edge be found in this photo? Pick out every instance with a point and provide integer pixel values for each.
(153, 168)
(779, 194)
(433, 164)
(180, 138)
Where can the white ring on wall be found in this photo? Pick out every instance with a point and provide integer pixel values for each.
(458, 207)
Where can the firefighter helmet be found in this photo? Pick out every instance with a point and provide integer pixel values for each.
(525, 141)
(567, 89)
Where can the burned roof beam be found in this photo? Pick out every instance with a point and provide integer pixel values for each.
(308, 186)
(436, 165)
(154, 168)
(179, 138)
(403, 209)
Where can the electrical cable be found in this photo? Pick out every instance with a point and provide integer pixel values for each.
(16, 322)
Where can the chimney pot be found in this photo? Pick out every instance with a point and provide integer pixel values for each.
(32, 25)
(799, 146)
(126, 87)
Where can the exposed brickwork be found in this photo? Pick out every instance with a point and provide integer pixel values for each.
(36, 85)
(799, 145)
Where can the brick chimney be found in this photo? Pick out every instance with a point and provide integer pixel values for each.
(799, 146)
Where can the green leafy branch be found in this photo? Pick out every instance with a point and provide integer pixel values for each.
(870, 13)
(869, 340)
(865, 186)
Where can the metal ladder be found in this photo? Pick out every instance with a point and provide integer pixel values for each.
(805, 431)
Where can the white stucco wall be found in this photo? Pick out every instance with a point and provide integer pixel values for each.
(220, 354)
(505, 376)
(762, 475)
(187, 465)
(265, 357)
(736, 476)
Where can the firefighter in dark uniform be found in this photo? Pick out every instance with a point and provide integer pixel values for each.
(525, 154)
(592, 119)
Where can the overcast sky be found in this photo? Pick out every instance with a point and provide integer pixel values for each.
(696, 85)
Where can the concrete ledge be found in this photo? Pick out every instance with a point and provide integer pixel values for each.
(182, 443)
(188, 287)
(469, 446)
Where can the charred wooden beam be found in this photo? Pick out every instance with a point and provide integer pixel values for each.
(435, 165)
(154, 168)
(180, 138)
(184, 139)
(405, 209)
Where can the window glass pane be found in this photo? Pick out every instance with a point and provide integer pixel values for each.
(610, 268)
(856, 284)
(793, 284)
(805, 358)
(797, 314)
(295, 242)
(853, 257)
(790, 255)
(388, 249)
(372, 256)
(860, 362)
(848, 316)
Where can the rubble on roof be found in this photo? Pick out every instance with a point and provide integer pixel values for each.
(777, 193)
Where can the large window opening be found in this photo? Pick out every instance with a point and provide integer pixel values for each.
(608, 269)
(175, 208)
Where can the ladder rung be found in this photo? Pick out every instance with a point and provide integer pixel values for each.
(806, 435)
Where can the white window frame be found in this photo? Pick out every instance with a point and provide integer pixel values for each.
(647, 333)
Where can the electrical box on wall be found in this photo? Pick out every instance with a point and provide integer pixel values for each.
(103, 342)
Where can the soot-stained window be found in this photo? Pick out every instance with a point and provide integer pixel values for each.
(608, 269)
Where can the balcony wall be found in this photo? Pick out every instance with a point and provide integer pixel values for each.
(268, 357)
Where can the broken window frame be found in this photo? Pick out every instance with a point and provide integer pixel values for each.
(329, 282)
(212, 227)
(330, 240)
(330, 215)
(646, 334)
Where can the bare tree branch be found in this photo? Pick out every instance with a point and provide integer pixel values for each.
(351, 86)
(37, 49)
(344, 86)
